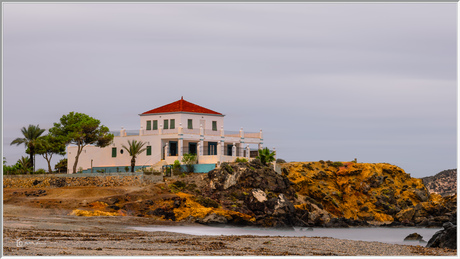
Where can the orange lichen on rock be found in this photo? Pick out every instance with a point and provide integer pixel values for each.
(193, 209)
(89, 213)
(373, 192)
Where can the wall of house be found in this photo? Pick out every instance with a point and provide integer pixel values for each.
(102, 157)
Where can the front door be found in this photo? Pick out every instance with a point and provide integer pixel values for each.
(212, 147)
(192, 148)
(173, 148)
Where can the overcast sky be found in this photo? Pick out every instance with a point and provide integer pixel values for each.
(376, 82)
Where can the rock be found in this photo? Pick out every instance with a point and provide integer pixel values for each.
(413, 237)
(213, 218)
(406, 214)
(259, 195)
(446, 238)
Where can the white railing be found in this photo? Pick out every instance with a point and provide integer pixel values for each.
(208, 132)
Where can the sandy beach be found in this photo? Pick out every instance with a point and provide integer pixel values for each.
(35, 231)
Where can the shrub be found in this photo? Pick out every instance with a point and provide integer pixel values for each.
(176, 168)
(126, 168)
(189, 160)
(241, 160)
(336, 164)
(40, 171)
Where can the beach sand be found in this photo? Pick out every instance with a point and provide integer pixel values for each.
(37, 231)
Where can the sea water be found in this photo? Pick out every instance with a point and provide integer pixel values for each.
(378, 234)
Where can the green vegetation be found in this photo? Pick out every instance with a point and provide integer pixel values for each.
(81, 130)
(189, 160)
(61, 166)
(241, 160)
(30, 140)
(49, 145)
(176, 168)
(134, 149)
(265, 156)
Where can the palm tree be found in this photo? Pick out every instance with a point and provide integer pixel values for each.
(265, 156)
(30, 139)
(24, 165)
(135, 148)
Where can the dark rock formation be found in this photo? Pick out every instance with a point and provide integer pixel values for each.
(446, 238)
(444, 183)
(413, 237)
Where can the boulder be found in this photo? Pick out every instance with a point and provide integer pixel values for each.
(446, 238)
(213, 218)
(413, 237)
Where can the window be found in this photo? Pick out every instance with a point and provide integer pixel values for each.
(155, 125)
(165, 125)
(149, 125)
(190, 124)
(149, 150)
(114, 152)
(214, 125)
(172, 124)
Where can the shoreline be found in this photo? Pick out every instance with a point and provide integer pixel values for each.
(51, 232)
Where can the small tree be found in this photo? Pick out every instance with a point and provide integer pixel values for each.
(135, 148)
(30, 139)
(61, 166)
(81, 130)
(49, 145)
(265, 156)
(189, 160)
(176, 168)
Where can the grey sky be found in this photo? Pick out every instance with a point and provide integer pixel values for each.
(376, 82)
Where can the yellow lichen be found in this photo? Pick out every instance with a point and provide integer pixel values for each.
(89, 213)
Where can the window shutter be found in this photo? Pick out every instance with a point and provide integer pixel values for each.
(172, 124)
(214, 125)
(155, 125)
(190, 124)
(165, 126)
(149, 125)
(114, 152)
(149, 150)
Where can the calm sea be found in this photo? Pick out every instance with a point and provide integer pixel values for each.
(385, 235)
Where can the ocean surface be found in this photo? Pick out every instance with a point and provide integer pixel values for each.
(384, 235)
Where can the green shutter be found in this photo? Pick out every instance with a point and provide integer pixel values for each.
(172, 124)
(165, 125)
(149, 150)
(190, 124)
(149, 125)
(214, 125)
(155, 125)
(114, 152)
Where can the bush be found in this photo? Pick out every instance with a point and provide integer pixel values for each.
(176, 168)
(189, 160)
(241, 160)
(336, 164)
(40, 171)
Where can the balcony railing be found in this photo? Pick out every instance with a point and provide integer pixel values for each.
(207, 132)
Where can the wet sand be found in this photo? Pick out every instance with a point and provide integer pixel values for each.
(36, 231)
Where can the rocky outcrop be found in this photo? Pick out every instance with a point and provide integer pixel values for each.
(446, 238)
(443, 183)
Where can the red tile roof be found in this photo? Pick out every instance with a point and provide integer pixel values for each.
(182, 106)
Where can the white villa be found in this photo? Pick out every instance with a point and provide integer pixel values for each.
(171, 131)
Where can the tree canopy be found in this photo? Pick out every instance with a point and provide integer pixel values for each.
(49, 145)
(81, 130)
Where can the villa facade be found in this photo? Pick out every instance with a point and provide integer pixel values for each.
(171, 131)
